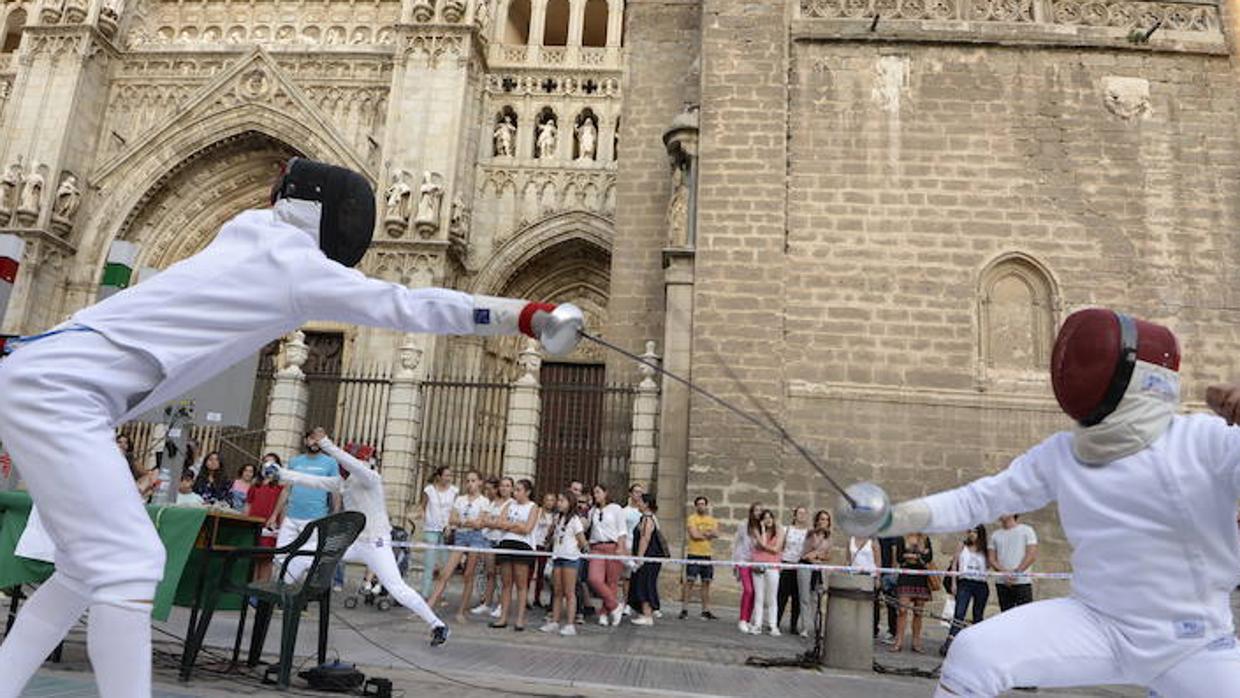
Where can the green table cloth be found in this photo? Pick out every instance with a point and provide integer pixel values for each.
(178, 528)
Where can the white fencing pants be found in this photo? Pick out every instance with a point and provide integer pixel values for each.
(765, 595)
(1060, 643)
(289, 530)
(60, 399)
(377, 555)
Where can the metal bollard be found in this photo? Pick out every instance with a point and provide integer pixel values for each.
(849, 626)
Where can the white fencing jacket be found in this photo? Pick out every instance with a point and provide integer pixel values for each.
(362, 491)
(262, 277)
(1155, 547)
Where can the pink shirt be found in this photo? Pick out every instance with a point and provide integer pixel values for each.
(760, 555)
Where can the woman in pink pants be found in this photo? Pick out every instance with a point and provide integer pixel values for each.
(742, 551)
(609, 535)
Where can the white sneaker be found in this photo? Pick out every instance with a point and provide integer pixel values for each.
(617, 615)
(550, 627)
(568, 631)
(658, 613)
(604, 619)
(755, 629)
(480, 609)
(642, 620)
(743, 627)
(628, 611)
(804, 633)
(775, 632)
(496, 611)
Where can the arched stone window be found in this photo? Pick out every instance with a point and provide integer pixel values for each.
(1017, 304)
(594, 27)
(13, 26)
(555, 31)
(517, 26)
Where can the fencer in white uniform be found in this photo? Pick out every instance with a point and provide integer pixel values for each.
(1147, 500)
(266, 273)
(362, 491)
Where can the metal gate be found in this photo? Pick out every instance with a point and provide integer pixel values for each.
(585, 428)
(464, 423)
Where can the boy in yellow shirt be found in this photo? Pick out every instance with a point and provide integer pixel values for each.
(702, 529)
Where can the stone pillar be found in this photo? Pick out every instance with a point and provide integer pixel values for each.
(538, 24)
(524, 413)
(615, 23)
(643, 451)
(286, 410)
(402, 431)
(849, 622)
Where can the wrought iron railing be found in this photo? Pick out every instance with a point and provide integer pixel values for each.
(352, 407)
(464, 423)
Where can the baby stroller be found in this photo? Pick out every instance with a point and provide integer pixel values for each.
(373, 593)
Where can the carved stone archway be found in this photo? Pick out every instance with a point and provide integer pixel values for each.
(562, 258)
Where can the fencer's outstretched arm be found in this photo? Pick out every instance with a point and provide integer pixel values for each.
(1020, 488)
(358, 469)
(331, 292)
(330, 483)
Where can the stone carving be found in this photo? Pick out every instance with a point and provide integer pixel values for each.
(335, 36)
(74, 12)
(530, 360)
(482, 18)
(32, 198)
(1127, 98)
(295, 354)
(68, 198)
(432, 47)
(423, 11)
(410, 355)
(51, 11)
(10, 191)
(398, 195)
(453, 11)
(678, 209)
(587, 138)
(109, 16)
(458, 228)
(549, 83)
(1121, 14)
(430, 195)
(504, 137)
(548, 135)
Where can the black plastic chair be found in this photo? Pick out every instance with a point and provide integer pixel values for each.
(335, 534)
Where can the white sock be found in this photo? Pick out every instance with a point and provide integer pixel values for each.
(118, 641)
(41, 624)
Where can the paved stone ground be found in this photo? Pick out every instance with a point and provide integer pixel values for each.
(674, 658)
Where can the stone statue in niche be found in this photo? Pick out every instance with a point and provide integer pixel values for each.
(548, 135)
(430, 194)
(32, 197)
(587, 139)
(1127, 98)
(678, 208)
(10, 191)
(68, 198)
(504, 137)
(397, 196)
(335, 35)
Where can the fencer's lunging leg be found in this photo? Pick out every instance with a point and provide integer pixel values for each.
(59, 400)
(118, 640)
(1201, 675)
(44, 621)
(381, 561)
(1054, 643)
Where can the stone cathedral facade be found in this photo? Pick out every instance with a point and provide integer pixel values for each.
(488, 127)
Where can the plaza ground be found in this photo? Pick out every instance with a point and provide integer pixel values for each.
(693, 657)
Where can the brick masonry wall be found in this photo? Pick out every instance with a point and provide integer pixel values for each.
(661, 39)
(851, 307)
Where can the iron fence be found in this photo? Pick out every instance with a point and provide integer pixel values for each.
(353, 407)
(464, 423)
(585, 430)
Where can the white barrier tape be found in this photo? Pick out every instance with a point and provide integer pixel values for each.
(832, 569)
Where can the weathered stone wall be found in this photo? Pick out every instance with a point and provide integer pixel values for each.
(660, 78)
(947, 205)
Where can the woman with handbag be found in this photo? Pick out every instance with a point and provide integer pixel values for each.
(913, 552)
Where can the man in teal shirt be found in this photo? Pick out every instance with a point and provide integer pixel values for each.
(304, 504)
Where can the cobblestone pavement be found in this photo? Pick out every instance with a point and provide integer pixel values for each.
(673, 658)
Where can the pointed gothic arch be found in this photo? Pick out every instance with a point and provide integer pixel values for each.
(1018, 300)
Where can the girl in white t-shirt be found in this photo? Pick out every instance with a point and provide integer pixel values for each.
(971, 586)
(437, 499)
(498, 492)
(465, 521)
(517, 521)
(568, 540)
